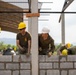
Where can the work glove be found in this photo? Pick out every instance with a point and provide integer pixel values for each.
(22, 49)
(27, 54)
(49, 54)
(40, 49)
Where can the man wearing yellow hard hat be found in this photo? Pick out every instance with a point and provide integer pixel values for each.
(23, 39)
(64, 49)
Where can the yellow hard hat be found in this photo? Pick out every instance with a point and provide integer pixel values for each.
(21, 25)
(68, 45)
(65, 52)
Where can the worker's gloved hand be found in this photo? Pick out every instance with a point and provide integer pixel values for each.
(40, 49)
(27, 54)
(22, 49)
(49, 54)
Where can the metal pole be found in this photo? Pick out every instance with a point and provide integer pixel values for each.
(63, 28)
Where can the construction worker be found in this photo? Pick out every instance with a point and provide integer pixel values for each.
(72, 50)
(65, 47)
(23, 39)
(46, 43)
(65, 52)
(9, 51)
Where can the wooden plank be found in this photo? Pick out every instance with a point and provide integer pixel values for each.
(32, 14)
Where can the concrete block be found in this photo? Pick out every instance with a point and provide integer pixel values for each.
(71, 58)
(6, 58)
(42, 72)
(24, 58)
(25, 72)
(72, 72)
(66, 65)
(25, 65)
(75, 65)
(64, 72)
(1, 65)
(45, 65)
(53, 72)
(63, 58)
(12, 66)
(15, 72)
(16, 58)
(5, 72)
(52, 58)
(42, 58)
(55, 65)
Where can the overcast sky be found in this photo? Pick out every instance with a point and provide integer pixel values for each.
(54, 25)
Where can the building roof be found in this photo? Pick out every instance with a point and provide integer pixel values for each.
(11, 11)
(9, 21)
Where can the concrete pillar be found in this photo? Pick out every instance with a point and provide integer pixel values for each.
(34, 33)
(63, 28)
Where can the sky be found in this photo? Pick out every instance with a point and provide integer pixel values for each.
(53, 24)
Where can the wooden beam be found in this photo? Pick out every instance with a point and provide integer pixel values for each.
(32, 14)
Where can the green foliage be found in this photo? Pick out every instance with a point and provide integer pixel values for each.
(57, 46)
(5, 46)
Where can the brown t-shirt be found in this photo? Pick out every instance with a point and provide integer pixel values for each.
(23, 39)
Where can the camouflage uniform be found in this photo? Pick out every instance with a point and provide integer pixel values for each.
(45, 46)
(71, 50)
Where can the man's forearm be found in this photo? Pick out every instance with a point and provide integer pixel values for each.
(19, 47)
(29, 46)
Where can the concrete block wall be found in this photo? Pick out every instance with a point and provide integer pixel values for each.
(54, 65)
(15, 65)
(57, 65)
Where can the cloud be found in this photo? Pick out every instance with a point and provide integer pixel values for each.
(5, 34)
(70, 34)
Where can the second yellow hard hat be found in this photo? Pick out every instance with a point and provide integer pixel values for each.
(65, 52)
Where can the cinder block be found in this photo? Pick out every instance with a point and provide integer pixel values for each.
(5, 72)
(53, 72)
(64, 72)
(75, 65)
(6, 58)
(1, 65)
(72, 72)
(42, 72)
(25, 72)
(71, 58)
(12, 66)
(42, 58)
(24, 58)
(66, 65)
(45, 65)
(25, 65)
(55, 65)
(52, 58)
(15, 72)
(63, 58)
(16, 58)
